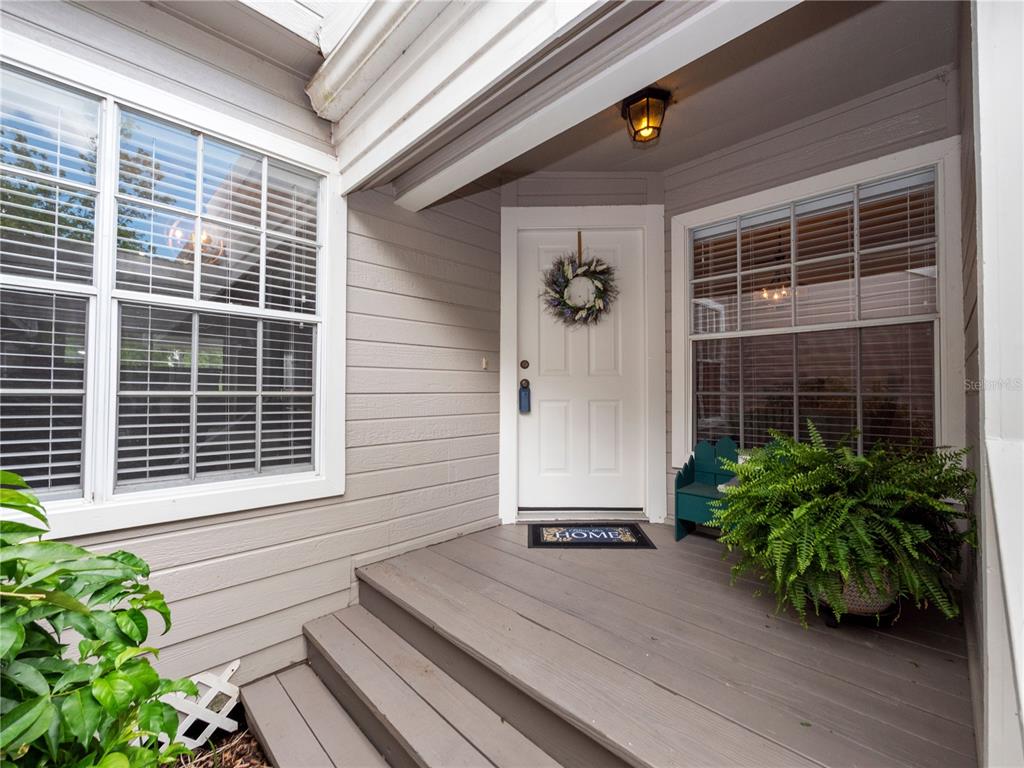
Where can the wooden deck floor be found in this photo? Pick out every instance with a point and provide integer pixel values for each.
(852, 696)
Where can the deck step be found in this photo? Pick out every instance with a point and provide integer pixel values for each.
(301, 725)
(414, 713)
(607, 715)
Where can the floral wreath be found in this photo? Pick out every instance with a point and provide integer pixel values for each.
(568, 277)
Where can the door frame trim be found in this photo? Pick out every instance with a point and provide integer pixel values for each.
(649, 218)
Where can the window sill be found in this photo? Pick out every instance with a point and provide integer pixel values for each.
(132, 509)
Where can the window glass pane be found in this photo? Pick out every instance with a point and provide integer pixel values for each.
(716, 371)
(43, 340)
(225, 434)
(766, 298)
(764, 412)
(227, 353)
(717, 416)
(716, 365)
(42, 386)
(291, 276)
(156, 349)
(767, 363)
(897, 211)
(287, 356)
(898, 282)
(765, 240)
(152, 438)
(714, 252)
(826, 291)
(824, 226)
(46, 230)
(287, 432)
(898, 380)
(898, 358)
(827, 383)
(291, 202)
(230, 271)
(232, 183)
(48, 129)
(155, 250)
(157, 161)
(827, 361)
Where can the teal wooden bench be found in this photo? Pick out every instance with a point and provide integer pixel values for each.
(697, 484)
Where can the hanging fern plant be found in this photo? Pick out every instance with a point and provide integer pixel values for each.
(820, 523)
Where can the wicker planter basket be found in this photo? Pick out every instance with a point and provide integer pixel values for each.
(869, 604)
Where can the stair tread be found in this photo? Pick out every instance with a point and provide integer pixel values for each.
(424, 734)
(628, 714)
(282, 730)
(502, 744)
(338, 735)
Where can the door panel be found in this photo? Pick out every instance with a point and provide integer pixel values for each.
(582, 445)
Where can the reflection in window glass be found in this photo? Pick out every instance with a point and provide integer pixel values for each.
(157, 161)
(291, 202)
(47, 183)
(232, 183)
(155, 250)
(230, 270)
(48, 129)
(46, 230)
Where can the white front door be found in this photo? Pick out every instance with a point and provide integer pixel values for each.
(581, 446)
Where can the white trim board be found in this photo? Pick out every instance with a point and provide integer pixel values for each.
(945, 156)
(999, 152)
(650, 218)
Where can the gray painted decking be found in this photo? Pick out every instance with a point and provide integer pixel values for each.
(653, 654)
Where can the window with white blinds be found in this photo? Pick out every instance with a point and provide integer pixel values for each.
(823, 309)
(207, 284)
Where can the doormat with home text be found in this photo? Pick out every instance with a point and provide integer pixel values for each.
(589, 536)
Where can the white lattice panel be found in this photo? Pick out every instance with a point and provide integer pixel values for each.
(216, 698)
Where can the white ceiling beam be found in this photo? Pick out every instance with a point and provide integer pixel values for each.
(664, 49)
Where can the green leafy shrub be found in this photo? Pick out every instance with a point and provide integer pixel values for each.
(809, 519)
(100, 707)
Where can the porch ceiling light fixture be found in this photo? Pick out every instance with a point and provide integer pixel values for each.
(644, 113)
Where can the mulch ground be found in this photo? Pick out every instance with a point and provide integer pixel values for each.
(240, 751)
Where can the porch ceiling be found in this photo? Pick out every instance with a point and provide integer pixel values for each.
(811, 58)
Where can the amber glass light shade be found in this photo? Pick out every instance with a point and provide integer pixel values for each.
(644, 113)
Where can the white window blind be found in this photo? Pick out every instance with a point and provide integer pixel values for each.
(824, 309)
(211, 299)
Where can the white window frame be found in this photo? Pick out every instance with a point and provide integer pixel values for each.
(100, 509)
(944, 155)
